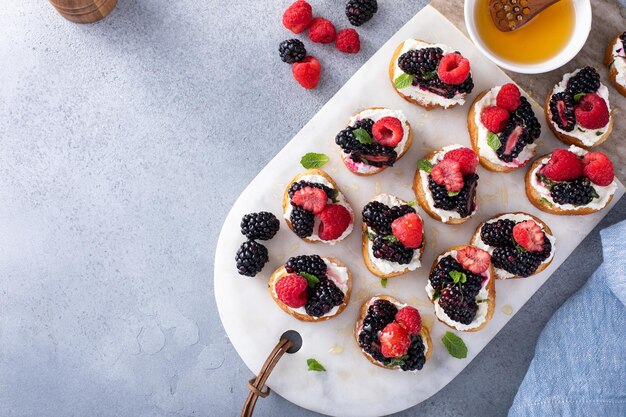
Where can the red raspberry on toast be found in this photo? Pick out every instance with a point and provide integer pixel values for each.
(394, 341)
(307, 72)
(408, 230)
(348, 41)
(409, 318)
(466, 157)
(494, 118)
(388, 131)
(298, 16)
(292, 290)
(509, 97)
(563, 165)
(473, 259)
(311, 199)
(334, 220)
(448, 172)
(528, 234)
(592, 112)
(453, 68)
(598, 168)
(322, 30)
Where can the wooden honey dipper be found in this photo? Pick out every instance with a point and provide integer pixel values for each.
(510, 15)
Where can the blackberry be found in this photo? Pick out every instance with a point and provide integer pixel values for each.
(360, 11)
(250, 258)
(466, 199)
(262, 226)
(391, 251)
(514, 139)
(587, 80)
(466, 86)
(379, 314)
(498, 233)
(458, 307)
(578, 192)
(472, 285)
(415, 355)
(292, 50)
(435, 85)
(323, 297)
(302, 221)
(440, 276)
(360, 152)
(547, 249)
(440, 195)
(365, 124)
(368, 341)
(421, 61)
(527, 116)
(330, 192)
(379, 216)
(562, 111)
(622, 38)
(514, 261)
(312, 264)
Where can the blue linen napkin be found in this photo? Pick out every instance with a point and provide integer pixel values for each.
(579, 368)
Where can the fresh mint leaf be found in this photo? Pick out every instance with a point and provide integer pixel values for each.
(545, 201)
(402, 81)
(578, 97)
(383, 282)
(312, 279)
(599, 133)
(424, 165)
(314, 365)
(429, 75)
(436, 295)
(362, 136)
(455, 345)
(594, 193)
(314, 160)
(458, 277)
(493, 141)
(399, 361)
(453, 193)
(580, 130)
(412, 203)
(391, 239)
(547, 181)
(333, 195)
(371, 236)
(520, 248)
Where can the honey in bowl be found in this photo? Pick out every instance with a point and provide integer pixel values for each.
(537, 41)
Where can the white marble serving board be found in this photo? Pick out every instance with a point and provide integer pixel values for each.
(352, 386)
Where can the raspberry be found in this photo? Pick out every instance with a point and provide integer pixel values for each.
(310, 199)
(466, 157)
(388, 131)
(408, 230)
(334, 220)
(563, 166)
(453, 69)
(298, 16)
(529, 235)
(592, 112)
(307, 72)
(322, 30)
(292, 290)
(394, 341)
(348, 41)
(509, 97)
(409, 318)
(448, 173)
(598, 168)
(494, 118)
(473, 259)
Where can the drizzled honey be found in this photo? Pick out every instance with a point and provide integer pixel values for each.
(537, 41)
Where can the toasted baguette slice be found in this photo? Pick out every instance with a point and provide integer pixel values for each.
(287, 202)
(491, 290)
(424, 333)
(282, 272)
(608, 61)
(420, 194)
(571, 140)
(401, 153)
(477, 241)
(423, 102)
(473, 132)
(536, 199)
(367, 257)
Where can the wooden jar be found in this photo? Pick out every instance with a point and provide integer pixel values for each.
(84, 11)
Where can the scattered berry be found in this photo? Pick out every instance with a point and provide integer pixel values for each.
(408, 230)
(519, 263)
(509, 97)
(578, 192)
(528, 234)
(348, 41)
(464, 156)
(587, 80)
(592, 112)
(494, 118)
(473, 259)
(563, 165)
(307, 72)
(323, 298)
(291, 50)
(360, 11)
(448, 172)
(311, 199)
(251, 258)
(388, 131)
(454, 68)
(262, 226)
(409, 318)
(302, 222)
(292, 290)
(298, 16)
(497, 233)
(562, 111)
(334, 220)
(311, 264)
(394, 341)
(598, 168)
(322, 30)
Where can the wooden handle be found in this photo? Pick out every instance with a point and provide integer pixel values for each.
(84, 11)
(255, 385)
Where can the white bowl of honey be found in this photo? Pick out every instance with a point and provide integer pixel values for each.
(548, 41)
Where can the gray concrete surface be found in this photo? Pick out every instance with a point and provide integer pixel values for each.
(123, 145)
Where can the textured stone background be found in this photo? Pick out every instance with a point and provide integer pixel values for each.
(123, 145)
